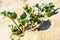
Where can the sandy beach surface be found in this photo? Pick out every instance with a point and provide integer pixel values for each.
(52, 32)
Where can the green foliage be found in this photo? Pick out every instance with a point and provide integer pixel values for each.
(51, 5)
(40, 15)
(23, 16)
(48, 8)
(14, 30)
(28, 9)
(37, 5)
(12, 15)
(3, 13)
(29, 16)
(24, 22)
(47, 14)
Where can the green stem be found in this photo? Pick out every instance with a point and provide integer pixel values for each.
(23, 29)
(31, 27)
(16, 24)
(19, 28)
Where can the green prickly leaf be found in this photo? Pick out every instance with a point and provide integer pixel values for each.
(23, 16)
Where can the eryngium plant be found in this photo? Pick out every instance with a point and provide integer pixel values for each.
(46, 8)
(29, 18)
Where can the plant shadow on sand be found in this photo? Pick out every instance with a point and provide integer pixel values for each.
(46, 25)
(55, 11)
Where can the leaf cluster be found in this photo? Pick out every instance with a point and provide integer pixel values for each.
(29, 17)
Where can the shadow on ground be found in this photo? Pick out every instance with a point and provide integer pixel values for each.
(44, 26)
(55, 11)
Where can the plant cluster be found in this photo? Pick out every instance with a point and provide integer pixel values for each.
(30, 16)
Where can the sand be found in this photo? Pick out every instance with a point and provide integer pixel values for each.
(50, 33)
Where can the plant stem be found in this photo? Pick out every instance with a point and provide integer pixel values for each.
(31, 27)
(19, 28)
(15, 24)
(23, 29)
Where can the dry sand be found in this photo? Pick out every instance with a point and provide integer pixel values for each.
(52, 33)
